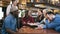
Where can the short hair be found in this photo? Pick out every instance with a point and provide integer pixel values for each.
(13, 1)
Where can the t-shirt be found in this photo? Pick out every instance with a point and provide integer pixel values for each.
(9, 23)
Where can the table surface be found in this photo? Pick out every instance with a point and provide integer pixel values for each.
(28, 30)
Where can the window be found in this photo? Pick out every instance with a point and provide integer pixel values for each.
(1, 13)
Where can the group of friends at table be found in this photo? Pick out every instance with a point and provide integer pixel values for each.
(51, 20)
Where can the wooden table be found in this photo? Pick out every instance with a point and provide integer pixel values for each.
(28, 30)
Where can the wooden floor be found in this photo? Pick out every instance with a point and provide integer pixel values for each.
(28, 30)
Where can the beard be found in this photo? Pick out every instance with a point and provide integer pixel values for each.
(16, 16)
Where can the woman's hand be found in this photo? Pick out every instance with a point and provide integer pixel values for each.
(40, 26)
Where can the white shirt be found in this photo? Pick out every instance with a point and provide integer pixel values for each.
(8, 9)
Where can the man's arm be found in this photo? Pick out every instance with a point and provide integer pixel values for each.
(51, 25)
(10, 31)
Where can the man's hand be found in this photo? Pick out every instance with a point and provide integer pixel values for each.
(12, 32)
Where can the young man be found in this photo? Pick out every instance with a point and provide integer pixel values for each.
(54, 21)
(14, 3)
(9, 25)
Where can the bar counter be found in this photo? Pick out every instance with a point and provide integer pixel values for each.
(28, 30)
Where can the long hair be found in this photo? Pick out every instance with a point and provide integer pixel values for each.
(26, 14)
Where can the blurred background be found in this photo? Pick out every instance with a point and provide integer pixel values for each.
(31, 5)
